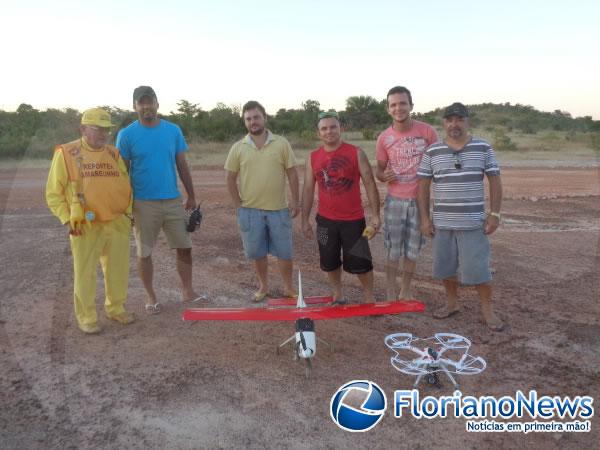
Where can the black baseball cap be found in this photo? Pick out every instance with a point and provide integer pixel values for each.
(143, 91)
(456, 109)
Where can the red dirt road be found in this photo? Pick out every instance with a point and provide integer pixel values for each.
(165, 383)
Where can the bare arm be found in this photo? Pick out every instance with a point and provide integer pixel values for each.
(384, 172)
(186, 178)
(292, 175)
(308, 194)
(495, 186)
(423, 204)
(122, 164)
(366, 173)
(233, 188)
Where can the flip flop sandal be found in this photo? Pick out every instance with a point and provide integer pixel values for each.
(340, 301)
(259, 297)
(197, 299)
(500, 326)
(437, 314)
(496, 327)
(153, 309)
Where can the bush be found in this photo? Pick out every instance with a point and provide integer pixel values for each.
(306, 139)
(595, 141)
(503, 142)
(368, 134)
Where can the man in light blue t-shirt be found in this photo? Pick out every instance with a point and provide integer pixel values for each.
(154, 149)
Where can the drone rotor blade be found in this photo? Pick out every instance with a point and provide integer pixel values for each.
(471, 366)
(398, 340)
(451, 340)
(409, 368)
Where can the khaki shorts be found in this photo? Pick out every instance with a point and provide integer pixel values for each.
(152, 215)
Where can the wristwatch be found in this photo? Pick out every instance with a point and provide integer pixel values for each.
(495, 214)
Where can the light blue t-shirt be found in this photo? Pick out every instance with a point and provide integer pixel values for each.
(151, 152)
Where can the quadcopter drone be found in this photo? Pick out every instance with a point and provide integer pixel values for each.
(442, 352)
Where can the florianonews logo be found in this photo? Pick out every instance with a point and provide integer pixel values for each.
(358, 406)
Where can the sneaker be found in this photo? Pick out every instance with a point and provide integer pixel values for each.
(152, 309)
(90, 328)
(124, 318)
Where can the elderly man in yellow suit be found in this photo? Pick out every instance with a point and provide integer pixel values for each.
(88, 190)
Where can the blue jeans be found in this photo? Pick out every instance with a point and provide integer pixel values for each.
(265, 232)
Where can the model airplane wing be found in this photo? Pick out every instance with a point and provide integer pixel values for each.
(291, 301)
(315, 312)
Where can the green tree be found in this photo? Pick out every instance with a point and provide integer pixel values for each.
(361, 103)
(361, 111)
(311, 106)
(18, 129)
(224, 123)
(184, 117)
(28, 119)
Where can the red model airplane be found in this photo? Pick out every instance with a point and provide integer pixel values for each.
(305, 337)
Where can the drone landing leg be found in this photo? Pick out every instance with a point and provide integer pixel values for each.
(418, 380)
(293, 336)
(447, 372)
(307, 367)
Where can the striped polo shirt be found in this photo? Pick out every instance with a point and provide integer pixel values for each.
(458, 194)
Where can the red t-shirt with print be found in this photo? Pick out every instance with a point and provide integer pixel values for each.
(338, 176)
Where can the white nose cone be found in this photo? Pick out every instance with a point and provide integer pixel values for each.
(300, 303)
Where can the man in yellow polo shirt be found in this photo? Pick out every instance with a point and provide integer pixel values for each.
(88, 190)
(263, 160)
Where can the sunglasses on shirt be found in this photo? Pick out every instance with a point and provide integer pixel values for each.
(457, 162)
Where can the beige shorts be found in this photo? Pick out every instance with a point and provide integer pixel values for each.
(153, 215)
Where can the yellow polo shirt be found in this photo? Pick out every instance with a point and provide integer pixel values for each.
(262, 171)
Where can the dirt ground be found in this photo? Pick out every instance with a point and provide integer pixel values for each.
(164, 383)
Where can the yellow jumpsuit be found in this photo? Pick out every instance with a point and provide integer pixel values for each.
(102, 177)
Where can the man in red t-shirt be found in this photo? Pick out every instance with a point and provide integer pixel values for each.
(337, 167)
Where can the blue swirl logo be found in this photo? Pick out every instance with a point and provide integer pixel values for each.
(358, 406)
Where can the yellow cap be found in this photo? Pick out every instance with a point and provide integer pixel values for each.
(97, 117)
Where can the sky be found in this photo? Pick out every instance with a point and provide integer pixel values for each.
(81, 54)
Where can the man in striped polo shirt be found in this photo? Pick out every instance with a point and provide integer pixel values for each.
(461, 250)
